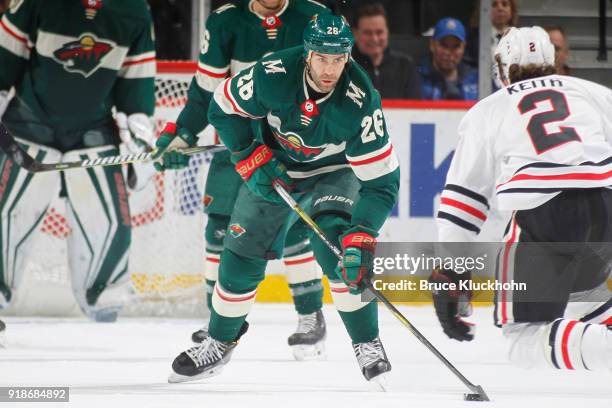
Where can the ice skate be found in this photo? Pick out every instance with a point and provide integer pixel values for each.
(308, 341)
(373, 362)
(205, 359)
(200, 335)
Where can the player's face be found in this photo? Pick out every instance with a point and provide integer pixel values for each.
(372, 35)
(325, 69)
(271, 5)
(447, 53)
(501, 13)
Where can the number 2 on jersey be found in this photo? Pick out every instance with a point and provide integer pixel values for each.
(541, 138)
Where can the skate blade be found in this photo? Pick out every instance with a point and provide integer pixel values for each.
(3, 341)
(309, 352)
(379, 383)
(175, 378)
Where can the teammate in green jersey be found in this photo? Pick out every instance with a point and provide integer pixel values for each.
(320, 131)
(70, 63)
(236, 36)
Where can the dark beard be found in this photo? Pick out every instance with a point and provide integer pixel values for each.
(313, 93)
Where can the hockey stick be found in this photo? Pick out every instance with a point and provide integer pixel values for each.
(12, 148)
(478, 393)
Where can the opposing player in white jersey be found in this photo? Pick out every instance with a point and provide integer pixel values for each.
(543, 146)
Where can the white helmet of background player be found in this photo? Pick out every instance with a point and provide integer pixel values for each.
(522, 46)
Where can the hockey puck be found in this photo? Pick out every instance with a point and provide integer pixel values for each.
(473, 397)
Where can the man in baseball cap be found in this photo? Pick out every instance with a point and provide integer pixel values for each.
(449, 26)
(444, 75)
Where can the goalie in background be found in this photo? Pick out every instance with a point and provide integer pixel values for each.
(70, 65)
(543, 145)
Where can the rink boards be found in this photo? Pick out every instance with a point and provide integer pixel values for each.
(167, 259)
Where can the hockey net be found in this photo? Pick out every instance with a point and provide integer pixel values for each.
(166, 264)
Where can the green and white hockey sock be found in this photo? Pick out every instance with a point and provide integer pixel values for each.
(304, 278)
(228, 312)
(359, 318)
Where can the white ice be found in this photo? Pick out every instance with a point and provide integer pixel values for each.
(126, 364)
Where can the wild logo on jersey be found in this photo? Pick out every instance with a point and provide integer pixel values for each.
(294, 143)
(84, 55)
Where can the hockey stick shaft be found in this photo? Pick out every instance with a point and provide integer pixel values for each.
(317, 230)
(12, 148)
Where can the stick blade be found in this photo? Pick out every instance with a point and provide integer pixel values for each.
(479, 395)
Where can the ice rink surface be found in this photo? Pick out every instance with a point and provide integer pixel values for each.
(126, 364)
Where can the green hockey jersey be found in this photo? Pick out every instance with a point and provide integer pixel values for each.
(234, 39)
(71, 61)
(345, 128)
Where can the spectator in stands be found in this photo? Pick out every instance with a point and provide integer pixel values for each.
(444, 75)
(559, 40)
(504, 14)
(4, 4)
(393, 74)
(172, 21)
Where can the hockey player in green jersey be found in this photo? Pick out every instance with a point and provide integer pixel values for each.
(320, 132)
(236, 36)
(70, 63)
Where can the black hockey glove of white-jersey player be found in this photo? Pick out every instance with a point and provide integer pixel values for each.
(452, 305)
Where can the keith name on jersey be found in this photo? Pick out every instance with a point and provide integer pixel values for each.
(534, 84)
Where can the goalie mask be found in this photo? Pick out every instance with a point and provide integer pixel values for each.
(521, 46)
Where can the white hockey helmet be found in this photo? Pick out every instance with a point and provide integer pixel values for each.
(522, 46)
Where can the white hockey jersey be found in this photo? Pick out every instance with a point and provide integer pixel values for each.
(526, 143)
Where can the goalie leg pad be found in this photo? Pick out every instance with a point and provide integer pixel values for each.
(99, 215)
(24, 199)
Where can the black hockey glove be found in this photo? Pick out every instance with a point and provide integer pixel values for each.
(451, 305)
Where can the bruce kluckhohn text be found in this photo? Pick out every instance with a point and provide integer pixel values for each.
(466, 285)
